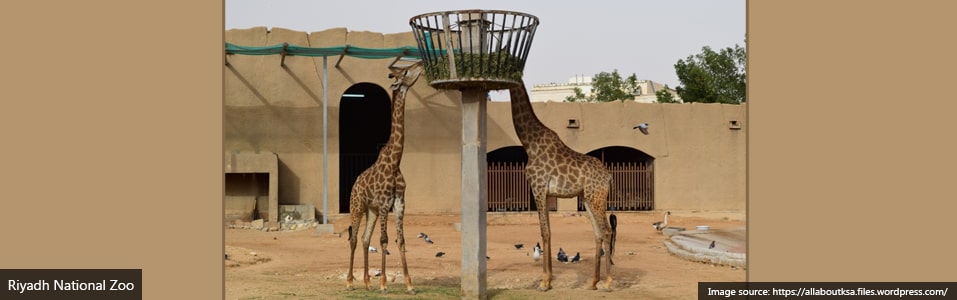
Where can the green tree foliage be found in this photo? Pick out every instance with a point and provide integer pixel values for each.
(713, 77)
(664, 96)
(607, 87)
(578, 97)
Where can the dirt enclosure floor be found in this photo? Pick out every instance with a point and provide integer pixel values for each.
(305, 265)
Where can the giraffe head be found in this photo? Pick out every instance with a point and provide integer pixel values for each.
(405, 76)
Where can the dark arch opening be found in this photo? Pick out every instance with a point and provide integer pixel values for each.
(365, 119)
(619, 154)
(508, 154)
(632, 171)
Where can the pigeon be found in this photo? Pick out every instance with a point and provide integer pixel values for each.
(387, 252)
(372, 249)
(519, 246)
(576, 258)
(711, 246)
(422, 235)
(376, 273)
(439, 254)
(427, 240)
(537, 253)
(643, 127)
(562, 257)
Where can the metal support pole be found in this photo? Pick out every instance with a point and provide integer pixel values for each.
(474, 194)
(325, 141)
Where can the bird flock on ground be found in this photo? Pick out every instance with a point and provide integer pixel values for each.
(561, 256)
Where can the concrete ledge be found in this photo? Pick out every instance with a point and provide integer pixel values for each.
(693, 245)
(669, 231)
(259, 163)
(300, 212)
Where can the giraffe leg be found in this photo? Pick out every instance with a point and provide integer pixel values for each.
(399, 215)
(603, 233)
(371, 218)
(353, 237)
(541, 202)
(383, 243)
(596, 226)
(609, 232)
(356, 217)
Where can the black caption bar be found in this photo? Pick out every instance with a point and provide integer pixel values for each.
(830, 290)
(71, 284)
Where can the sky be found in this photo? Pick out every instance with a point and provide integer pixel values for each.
(644, 38)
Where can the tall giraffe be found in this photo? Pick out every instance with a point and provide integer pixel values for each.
(381, 187)
(554, 170)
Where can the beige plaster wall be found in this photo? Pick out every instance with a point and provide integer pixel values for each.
(699, 161)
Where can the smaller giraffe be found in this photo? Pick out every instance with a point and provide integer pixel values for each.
(381, 187)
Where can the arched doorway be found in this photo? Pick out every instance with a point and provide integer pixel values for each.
(507, 187)
(365, 119)
(633, 177)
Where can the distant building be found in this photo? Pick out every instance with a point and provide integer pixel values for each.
(558, 91)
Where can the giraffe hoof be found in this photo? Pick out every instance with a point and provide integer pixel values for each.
(593, 287)
(544, 288)
(410, 291)
(383, 291)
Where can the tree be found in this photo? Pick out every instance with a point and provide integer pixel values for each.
(664, 96)
(578, 97)
(607, 87)
(713, 77)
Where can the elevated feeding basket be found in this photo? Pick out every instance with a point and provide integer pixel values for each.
(483, 49)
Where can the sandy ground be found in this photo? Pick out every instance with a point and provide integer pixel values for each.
(305, 265)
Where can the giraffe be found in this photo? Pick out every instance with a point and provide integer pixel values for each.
(554, 170)
(381, 187)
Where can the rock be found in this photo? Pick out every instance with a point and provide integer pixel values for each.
(258, 224)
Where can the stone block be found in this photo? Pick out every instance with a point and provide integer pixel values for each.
(258, 224)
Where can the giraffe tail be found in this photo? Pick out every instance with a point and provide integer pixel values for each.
(613, 220)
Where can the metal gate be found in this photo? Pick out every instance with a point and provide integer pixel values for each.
(507, 188)
(350, 166)
(632, 187)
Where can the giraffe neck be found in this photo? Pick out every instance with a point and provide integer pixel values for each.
(393, 148)
(527, 126)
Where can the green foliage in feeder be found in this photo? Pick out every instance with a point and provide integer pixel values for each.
(500, 66)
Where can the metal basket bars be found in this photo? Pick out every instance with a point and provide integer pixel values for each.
(474, 48)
